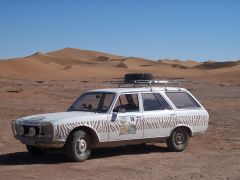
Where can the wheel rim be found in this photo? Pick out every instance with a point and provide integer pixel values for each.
(179, 138)
(81, 146)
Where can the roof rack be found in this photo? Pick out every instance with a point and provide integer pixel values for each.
(150, 83)
(140, 79)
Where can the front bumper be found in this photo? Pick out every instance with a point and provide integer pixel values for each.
(42, 142)
(38, 140)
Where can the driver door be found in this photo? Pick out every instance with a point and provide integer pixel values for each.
(125, 118)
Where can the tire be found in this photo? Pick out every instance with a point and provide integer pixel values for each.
(35, 151)
(178, 141)
(78, 146)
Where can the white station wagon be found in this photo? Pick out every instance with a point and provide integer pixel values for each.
(113, 117)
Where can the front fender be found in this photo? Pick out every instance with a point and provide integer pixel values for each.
(62, 131)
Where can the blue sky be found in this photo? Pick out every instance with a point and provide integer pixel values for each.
(154, 29)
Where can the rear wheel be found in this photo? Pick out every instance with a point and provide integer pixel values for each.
(35, 151)
(78, 146)
(178, 141)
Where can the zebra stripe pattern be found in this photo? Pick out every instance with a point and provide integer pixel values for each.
(105, 126)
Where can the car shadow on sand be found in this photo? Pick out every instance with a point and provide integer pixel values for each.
(58, 156)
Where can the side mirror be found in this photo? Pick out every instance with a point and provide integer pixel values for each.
(114, 116)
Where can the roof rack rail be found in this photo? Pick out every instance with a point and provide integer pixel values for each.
(151, 83)
(140, 79)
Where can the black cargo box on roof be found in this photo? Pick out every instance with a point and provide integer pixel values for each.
(131, 77)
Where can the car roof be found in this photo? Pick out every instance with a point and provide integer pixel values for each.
(141, 89)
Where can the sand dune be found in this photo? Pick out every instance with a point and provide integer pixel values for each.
(77, 54)
(179, 63)
(121, 65)
(74, 63)
(215, 65)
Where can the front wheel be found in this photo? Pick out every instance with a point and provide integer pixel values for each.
(78, 146)
(35, 151)
(178, 141)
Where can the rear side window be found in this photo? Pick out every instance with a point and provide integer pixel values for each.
(182, 100)
(154, 101)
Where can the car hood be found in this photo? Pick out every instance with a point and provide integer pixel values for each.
(59, 117)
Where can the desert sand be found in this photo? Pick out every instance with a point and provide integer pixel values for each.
(50, 82)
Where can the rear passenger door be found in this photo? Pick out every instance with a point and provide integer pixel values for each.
(157, 115)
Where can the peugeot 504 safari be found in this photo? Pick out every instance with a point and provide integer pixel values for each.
(116, 116)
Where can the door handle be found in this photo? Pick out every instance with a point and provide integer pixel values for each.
(172, 114)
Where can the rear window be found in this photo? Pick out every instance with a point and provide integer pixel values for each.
(154, 101)
(182, 100)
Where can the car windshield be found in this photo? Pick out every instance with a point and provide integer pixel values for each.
(93, 102)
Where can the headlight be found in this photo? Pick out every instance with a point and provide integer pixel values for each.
(47, 130)
(32, 132)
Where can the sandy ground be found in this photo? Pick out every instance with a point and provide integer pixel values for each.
(214, 155)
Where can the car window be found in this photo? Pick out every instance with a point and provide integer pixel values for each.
(93, 102)
(154, 101)
(127, 102)
(107, 101)
(182, 100)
